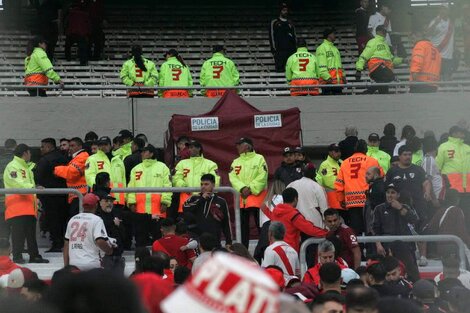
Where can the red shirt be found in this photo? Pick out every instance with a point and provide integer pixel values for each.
(348, 241)
(6, 265)
(313, 274)
(171, 245)
(153, 290)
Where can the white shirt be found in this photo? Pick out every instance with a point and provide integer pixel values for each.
(432, 172)
(311, 197)
(439, 29)
(271, 257)
(201, 259)
(82, 232)
(275, 201)
(376, 20)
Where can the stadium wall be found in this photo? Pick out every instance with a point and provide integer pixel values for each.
(323, 118)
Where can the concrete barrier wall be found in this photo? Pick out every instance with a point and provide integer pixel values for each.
(323, 118)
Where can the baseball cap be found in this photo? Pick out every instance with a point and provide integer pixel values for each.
(90, 200)
(18, 277)
(333, 147)
(239, 283)
(374, 137)
(424, 289)
(244, 140)
(393, 186)
(299, 150)
(195, 143)
(105, 140)
(287, 150)
(126, 134)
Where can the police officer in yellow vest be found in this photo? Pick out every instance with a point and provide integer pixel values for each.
(249, 175)
(21, 210)
(327, 173)
(149, 208)
(189, 171)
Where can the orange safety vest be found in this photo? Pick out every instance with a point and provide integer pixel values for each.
(140, 92)
(215, 93)
(175, 94)
(304, 91)
(20, 205)
(183, 198)
(332, 200)
(335, 73)
(425, 65)
(351, 185)
(253, 201)
(374, 63)
(36, 79)
(144, 200)
(74, 174)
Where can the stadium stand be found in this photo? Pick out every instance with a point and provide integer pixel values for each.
(192, 29)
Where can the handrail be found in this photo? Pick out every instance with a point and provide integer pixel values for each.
(236, 199)
(240, 87)
(44, 191)
(373, 239)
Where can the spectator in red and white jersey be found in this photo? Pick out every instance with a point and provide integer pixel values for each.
(351, 252)
(280, 254)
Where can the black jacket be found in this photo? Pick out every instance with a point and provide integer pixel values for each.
(388, 143)
(375, 196)
(44, 171)
(282, 36)
(113, 231)
(130, 162)
(389, 221)
(287, 173)
(347, 146)
(208, 215)
(362, 22)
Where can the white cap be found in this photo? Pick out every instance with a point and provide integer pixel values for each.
(226, 284)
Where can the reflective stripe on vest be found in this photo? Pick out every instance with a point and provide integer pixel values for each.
(374, 63)
(120, 197)
(140, 92)
(36, 79)
(304, 91)
(175, 94)
(215, 93)
(147, 203)
(355, 199)
(20, 205)
(253, 201)
(337, 75)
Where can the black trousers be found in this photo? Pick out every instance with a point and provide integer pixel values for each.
(73, 208)
(127, 221)
(147, 230)
(4, 226)
(465, 206)
(280, 59)
(332, 91)
(55, 208)
(37, 92)
(245, 223)
(82, 48)
(381, 75)
(354, 218)
(97, 40)
(263, 242)
(23, 228)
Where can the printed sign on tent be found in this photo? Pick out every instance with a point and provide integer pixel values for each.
(204, 123)
(268, 121)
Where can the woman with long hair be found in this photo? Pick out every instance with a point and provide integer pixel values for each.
(38, 68)
(141, 72)
(175, 73)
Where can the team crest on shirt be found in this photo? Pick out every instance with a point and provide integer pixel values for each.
(412, 175)
(299, 170)
(13, 174)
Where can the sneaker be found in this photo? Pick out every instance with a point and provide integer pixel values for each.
(54, 249)
(19, 261)
(38, 259)
(423, 261)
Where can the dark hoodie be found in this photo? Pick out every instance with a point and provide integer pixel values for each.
(287, 173)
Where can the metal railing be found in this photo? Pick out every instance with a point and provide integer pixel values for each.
(236, 199)
(45, 191)
(374, 239)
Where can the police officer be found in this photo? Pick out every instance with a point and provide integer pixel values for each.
(139, 71)
(218, 71)
(249, 175)
(329, 63)
(302, 70)
(175, 73)
(149, 208)
(5, 157)
(374, 151)
(282, 38)
(21, 210)
(380, 61)
(327, 173)
(188, 172)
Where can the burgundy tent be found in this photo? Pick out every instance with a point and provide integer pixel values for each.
(230, 119)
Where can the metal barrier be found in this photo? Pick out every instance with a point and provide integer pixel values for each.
(48, 191)
(373, 239)
(236, 199)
